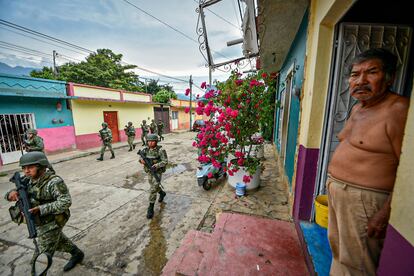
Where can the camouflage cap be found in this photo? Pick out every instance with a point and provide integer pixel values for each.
(31, 131)
(152, 137)
(104, 124)
(33, 158)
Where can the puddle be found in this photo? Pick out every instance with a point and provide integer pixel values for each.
(154, 254)
(176, 169)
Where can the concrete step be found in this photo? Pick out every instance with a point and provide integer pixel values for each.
(187, 257)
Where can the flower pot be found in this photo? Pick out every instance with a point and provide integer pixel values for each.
(237, 177)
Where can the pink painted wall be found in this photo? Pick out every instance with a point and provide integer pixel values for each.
(58, 138)
(88, 141)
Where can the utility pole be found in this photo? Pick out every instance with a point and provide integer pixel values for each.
(209, 75)
(54, 63)
(191, 98)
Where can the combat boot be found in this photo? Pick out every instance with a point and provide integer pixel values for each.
(113, 156)
(162, 195)
(133, 146)
(100, 158)
(77, 257)
(130, 149)
(150, 211)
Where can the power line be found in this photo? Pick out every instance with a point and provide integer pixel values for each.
(25, 57)
(49, 43)
(162, 22)
(27, 30)
(169, 26)
(222, 18)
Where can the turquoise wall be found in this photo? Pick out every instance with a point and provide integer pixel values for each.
(295, 56)
(44, 110)
(20, 94)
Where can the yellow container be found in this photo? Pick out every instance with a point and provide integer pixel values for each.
(321, 210)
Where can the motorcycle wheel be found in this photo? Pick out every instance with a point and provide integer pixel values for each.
(206, 184)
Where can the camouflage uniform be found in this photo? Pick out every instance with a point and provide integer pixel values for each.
(35, 143)
(158, 157)
(130, 133)
(106, 136)
(144, 133)
(50, 193)
(160, 127)
(153, 127)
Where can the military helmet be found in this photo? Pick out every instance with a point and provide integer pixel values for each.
(152, 137)
(32, 131)
(130, 123)
(33, 158)
(144, 121)
(104, 124)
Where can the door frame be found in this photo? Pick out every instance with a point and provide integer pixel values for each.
(114, 128)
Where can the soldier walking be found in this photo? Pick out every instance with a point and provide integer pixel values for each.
(144, 132)
(158, 157)
(130, 133)
(160, 127)
(106, 136)
(50, 201)
(35, 143)
(153, 127)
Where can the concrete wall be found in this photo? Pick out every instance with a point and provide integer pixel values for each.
(88, 117)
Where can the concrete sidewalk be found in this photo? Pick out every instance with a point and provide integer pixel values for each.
(75, 153)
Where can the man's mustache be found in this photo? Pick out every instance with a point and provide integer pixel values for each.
(361, 88)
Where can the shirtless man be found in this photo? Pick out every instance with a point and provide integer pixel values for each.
(363, 168)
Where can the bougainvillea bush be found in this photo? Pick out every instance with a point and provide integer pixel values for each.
(235, 108)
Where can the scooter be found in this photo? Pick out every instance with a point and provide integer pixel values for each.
(203, 171)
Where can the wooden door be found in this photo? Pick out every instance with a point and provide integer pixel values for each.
(111, 118)
(164, 115)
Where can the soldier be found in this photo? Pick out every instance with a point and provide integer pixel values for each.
(144, 132)
(106, 136)
(160, 127)
(50, 201)
(153, 127)
(130, 132)
(35, 143)
(158, 158)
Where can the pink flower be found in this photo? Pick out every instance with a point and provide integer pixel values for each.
(239, 82)
(234, 113)
(210, 175)
(194, 144)
(264, 75)
(231, 173)
(187, 91)
(203, 85)
(187, 109)
(246, 178)
(240, 161)
(239, 154)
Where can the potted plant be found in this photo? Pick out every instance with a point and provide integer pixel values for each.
(235, 108)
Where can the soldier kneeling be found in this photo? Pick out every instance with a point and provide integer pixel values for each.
(157, 157)
(50, 201)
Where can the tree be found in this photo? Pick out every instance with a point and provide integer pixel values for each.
(164, 96)
(103, 68)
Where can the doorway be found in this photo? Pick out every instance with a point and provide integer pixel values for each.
(12, 131)
(111, 118)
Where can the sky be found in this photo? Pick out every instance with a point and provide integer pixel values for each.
(125, 29)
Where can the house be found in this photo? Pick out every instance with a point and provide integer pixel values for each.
(41, 104)
(93, 105)
(180, 120)
(310, 43)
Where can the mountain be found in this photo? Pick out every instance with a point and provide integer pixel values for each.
(18, 70)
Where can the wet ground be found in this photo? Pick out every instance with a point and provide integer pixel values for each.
(110, 199)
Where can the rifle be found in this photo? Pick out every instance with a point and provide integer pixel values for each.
(148, 164)
(24, 205)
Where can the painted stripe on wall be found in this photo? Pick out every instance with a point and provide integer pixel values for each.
(87, 141)
(305, 182)
(397, 256)
(58, 139)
